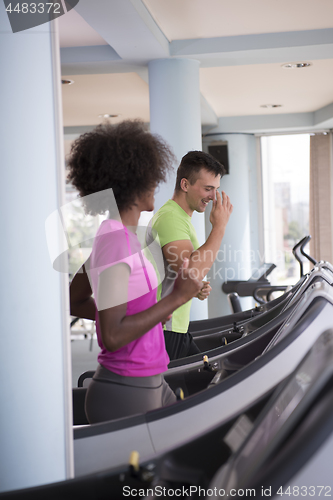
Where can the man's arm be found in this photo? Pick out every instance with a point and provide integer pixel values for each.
(201, 259)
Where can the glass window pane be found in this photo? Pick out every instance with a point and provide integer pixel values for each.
(285, 169)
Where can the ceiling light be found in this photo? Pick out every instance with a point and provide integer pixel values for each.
(107, 115)
(296, 65)
(67, 82)
(271, 106)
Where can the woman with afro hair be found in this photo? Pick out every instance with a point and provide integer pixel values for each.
(121, 166)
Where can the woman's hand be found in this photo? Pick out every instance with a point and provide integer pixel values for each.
(187, 284)
(117, 328)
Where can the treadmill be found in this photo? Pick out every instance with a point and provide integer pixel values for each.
(257, 286)
(290, 447)
(208, 341)
(203, 328)
(212, 419)
(192, 375)
(285, 449)
(244, 288)
(108, 444)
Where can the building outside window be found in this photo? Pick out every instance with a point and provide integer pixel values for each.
(285, 173)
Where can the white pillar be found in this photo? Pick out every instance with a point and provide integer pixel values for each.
(175, 115)
(239, 254)
(35, 409)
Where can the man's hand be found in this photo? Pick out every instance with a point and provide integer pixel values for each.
(221, 211)
(166, 319)
(205, 290)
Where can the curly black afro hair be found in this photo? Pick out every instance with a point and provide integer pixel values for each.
(124, 157)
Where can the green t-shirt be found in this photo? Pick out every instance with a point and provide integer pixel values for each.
(172, 223)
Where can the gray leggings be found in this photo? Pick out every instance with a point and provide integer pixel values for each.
(111, 396)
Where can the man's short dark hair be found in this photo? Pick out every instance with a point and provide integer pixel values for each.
(193, 162)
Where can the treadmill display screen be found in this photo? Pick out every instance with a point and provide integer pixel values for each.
(262, 272)
(308, 379)
(285, 327)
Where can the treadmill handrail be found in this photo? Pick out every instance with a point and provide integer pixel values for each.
(298, 252)
(268, 292)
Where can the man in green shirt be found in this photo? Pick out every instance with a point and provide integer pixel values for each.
(197, 183)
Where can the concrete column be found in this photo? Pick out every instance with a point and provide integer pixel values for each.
(35, 410)
(239, 254)
(175, 115)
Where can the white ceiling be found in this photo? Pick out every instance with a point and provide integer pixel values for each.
(74, 31)
(241, 90)
(186, 19)
(126, 95)
(241, 44)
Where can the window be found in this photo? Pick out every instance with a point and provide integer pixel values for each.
(81, 229)
(285, 171)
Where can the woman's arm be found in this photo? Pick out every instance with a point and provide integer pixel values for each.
(82, 303)
(117, 329)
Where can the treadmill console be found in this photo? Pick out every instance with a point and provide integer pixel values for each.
(280, 415)
(262, 272)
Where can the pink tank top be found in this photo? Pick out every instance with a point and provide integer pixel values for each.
(146, 356)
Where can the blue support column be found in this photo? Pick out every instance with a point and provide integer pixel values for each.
(35, 371)
(175, 115)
